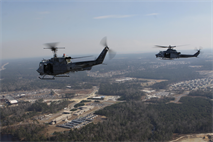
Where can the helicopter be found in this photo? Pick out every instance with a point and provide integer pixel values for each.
(171, 53)
(61, 66)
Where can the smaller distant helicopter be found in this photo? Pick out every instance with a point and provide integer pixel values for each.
(61, 66)
(171, 53)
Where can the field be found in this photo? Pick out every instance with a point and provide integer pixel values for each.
(203, 137)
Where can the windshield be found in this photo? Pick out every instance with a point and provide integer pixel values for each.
(40, 64)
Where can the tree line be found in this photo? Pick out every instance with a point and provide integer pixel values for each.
(126, 91)
(202, 93)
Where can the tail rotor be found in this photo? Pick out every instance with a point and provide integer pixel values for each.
(198, 51)
(111, 52)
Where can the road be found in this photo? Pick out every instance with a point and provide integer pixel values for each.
(3, 67)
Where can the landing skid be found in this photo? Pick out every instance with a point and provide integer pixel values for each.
(53, 77)
(62, 76)
(43, 78)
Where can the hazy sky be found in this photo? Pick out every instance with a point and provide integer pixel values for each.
(131, 26)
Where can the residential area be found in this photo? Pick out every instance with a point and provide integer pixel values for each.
(192, 84)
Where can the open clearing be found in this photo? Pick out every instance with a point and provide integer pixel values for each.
(203, 137)
(150, 81)
(177, 97)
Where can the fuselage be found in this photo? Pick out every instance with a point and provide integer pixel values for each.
(53, 66)
(172, 54)
(169, 53)
(62, 65)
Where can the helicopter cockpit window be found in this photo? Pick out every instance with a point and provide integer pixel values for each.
(41, 64)
(68, 61)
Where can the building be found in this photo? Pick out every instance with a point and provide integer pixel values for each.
(78, 123)
(97, 98)
(61, 118)
(22, 95)
(148, 91)
(78, 113)
(86, 108)
(67, 112)
(159, 94)
(2, 99)
(83, 109)
(11, 100)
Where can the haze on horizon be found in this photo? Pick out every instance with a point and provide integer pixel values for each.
(130, 26)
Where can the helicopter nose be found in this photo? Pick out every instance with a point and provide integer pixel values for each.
(39, 71)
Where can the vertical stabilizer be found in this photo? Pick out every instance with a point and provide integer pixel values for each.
(101, 57)
(197, 53)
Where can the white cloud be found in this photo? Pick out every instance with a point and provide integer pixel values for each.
(152, 14)
(113, 16)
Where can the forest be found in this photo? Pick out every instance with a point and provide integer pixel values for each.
(126, 91)
(208, 93)
(184, 72)
(133, 121)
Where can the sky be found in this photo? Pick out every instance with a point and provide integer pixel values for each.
(131, 26)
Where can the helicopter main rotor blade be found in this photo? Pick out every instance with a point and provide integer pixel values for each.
(170, 46)
(182, 45)
(165, 46)
(161, 46)
(52, 44)
(53, 47)
(77, 57)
